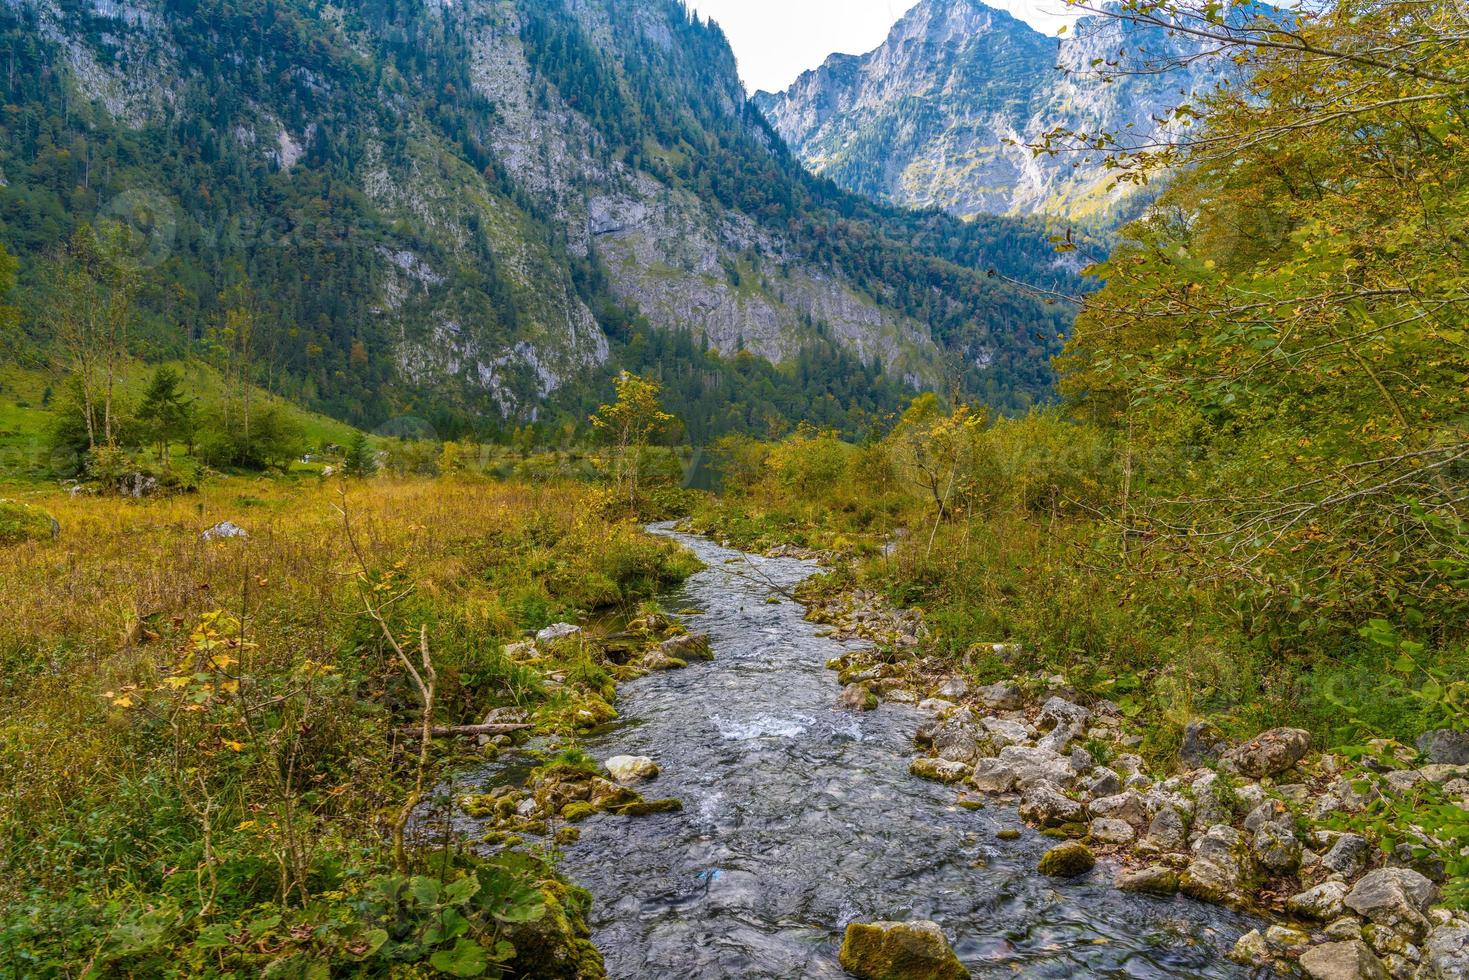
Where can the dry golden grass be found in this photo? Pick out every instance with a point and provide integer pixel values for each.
(111, 603)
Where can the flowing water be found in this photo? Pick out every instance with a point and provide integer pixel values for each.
(799, 818)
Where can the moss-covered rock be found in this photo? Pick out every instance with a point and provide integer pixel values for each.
(22, 522)
(899, 951)
(577, 810)
(642, 808)
(557, 946)
(1067, 860)
(941, 770)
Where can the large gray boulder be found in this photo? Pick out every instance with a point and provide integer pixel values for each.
(957, 737)
(1036, 765)
(1168, 830)
(993, 776)
(1351, 960)
(1269, 753)
(1222, 869)
(1445, 747)
(1000, 697)
(1397, 898)
(1129, 805)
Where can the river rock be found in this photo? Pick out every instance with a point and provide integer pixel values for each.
(1168, 830)
(956, 737)
(1109, 830)
(1276, 849)
(1445, 746)
(1351, 960)
(1000, 697)
(1104, 782)
(1046, 805)
(1322, 903)
(1269, 753)
(1127, 805)
(935, 706)
(1222, 868)
(1152, 880)
(1062, 721)
(1445, 954)
(1202, 742)
(1210, 804)
(940, 770)
(1348, 856)
(686, 647)
(1067, 860)
(1271, 811)
(628, 769)
(914, 950)
(557, 631)
(993, 776)
(953, 689)
(1033, 765)
(856, 697)
(1250, 949)
(1003, 732)
(1396, 898)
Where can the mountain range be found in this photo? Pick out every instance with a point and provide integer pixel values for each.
(478, 210)
(944, 113)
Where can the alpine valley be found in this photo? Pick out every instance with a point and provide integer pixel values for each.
(478, 212)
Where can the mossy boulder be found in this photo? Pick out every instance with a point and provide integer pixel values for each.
(899, 951)
(577, 811)
(1067, 860)
(22, 522)
(941, 770)
(643, 808)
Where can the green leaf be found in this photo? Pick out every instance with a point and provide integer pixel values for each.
(461, 891)
(467, 959)
(425, 891)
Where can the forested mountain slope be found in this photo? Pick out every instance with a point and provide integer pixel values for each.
(482, 209)
(944, 112)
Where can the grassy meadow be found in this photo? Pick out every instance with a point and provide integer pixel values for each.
(206, 744)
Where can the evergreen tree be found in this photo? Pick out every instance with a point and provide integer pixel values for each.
(360, 461)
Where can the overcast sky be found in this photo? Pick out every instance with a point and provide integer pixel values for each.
(776, 40)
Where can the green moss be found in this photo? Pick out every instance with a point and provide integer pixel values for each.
(643, 808)
(899, 951)
(22, 522)
(1009, 833)
(577, 810)
(1067, 860)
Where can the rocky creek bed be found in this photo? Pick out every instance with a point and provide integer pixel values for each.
(799, 817)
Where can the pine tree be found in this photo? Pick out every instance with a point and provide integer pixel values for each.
(360, 461)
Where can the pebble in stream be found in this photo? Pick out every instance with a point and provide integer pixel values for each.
(800, 818)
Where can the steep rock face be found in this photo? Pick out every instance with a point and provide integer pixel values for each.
(941, 114)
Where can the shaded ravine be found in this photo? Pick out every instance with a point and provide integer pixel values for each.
(800, 818)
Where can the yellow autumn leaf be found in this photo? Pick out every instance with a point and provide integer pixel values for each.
(234, 746)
